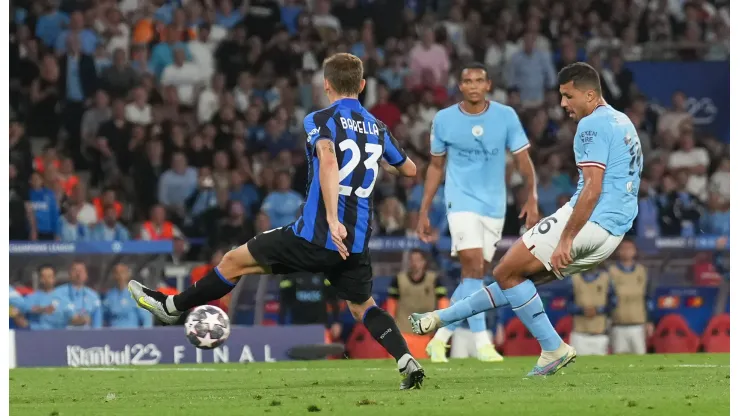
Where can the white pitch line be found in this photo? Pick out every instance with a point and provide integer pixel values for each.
(700, 365)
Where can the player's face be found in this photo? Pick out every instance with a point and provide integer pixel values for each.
(474, 84)
(574, 101)
(627, 251)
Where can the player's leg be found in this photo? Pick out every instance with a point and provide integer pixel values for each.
(637, 339)
(466, 232)
(490, 297)
(215, 285)
(621, 340)
(353, 283)
(492, 232)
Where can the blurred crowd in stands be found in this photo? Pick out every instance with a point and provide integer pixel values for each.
(183, 119)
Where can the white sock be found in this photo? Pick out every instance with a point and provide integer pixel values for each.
(481, 339)
(443, 334)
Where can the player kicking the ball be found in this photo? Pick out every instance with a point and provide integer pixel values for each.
(332, 234)
(472, 138)
(580, 235)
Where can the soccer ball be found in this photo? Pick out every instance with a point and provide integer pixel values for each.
(207, 327)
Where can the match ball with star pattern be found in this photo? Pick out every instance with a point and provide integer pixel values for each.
(207, 327)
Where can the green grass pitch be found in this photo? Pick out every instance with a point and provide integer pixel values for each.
(614, 385)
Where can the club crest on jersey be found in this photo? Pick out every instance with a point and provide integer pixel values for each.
(477, 131)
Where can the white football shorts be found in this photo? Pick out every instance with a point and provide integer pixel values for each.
(592, 245)
(469, 230)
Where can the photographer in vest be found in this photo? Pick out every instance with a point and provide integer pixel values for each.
(633, 304)
(413, 291)
(590, 307)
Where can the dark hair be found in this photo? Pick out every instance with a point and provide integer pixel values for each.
(472, 65)
(344, 72)
(419, 251)
(582, 75)
(46, 266)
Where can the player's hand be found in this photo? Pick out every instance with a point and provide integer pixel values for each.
(531, 212)
(561, 257)
(589, 311)
(424, 229)
(649, 329)
(338, 234)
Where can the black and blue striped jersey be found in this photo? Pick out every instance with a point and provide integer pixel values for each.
(360, 140)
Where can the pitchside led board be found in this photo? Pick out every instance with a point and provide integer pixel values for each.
(160, 345)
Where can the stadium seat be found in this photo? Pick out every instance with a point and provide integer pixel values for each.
(673, 335)
(564, 328)
(716, 337)
(361, 345)
(519, 341)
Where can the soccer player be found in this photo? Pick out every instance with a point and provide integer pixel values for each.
(580, 235)
(471, 138)
(344, 147)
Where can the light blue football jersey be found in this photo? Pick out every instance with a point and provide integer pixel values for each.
(476, 147)
(607, 139)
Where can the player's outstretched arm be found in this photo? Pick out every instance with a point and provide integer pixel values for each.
(329, 182)
(435, 173)
(593, 177)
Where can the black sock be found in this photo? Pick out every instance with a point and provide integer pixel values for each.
(383, 328)
(209, 288)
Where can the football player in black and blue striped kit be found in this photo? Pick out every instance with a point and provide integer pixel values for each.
(345, 145)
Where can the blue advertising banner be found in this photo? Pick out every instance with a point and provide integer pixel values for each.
(91, 247)
(161, 345)
(706, 242)
(706, 84)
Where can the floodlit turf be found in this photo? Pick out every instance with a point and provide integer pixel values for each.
(616, 385)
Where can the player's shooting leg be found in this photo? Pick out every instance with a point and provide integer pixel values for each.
(219, 281)
(522, 295)
(488, 298)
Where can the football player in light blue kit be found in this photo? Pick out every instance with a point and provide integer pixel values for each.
(472, 139)
(580, 235)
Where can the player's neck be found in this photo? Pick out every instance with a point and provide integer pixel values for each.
(474, 109)
(336, 97)
(627, 264)
(600, 102)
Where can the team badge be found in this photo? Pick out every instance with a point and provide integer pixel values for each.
(477, 131)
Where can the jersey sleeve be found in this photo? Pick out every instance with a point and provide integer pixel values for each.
(319, 125)
(436, 138)
(516, 139)
(392, 151)
(591, 144)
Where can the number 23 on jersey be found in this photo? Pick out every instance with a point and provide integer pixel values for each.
(373, 152)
